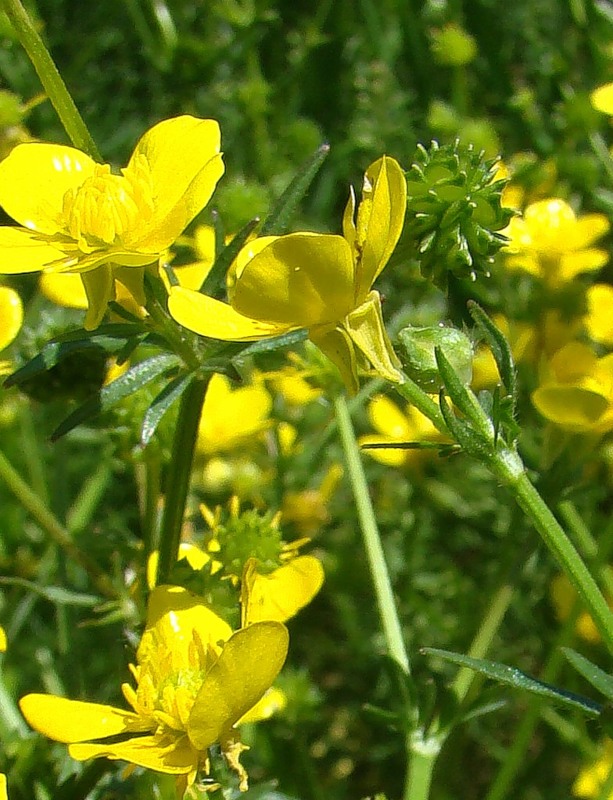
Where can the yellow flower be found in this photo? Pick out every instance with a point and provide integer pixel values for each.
(232, 417)
(11, 315)
(195, 680)
(577, 393)
(602, 98)
(591, 779)
(394, 426)
(2, 639)
(3, 792)
(308, 509)
(599, 319)
(320, 282)
(77, 216)
(552, 243)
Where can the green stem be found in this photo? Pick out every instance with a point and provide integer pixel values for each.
(50, 78)
(507, 466)
(422, 755)
(179, 476)
(423, 402)
(372, 540)
(49, 523)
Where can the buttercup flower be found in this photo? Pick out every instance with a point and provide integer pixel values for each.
(602, 98)
(195, 680)
(599, 319)
(11, 315)
(3, 792)
(551, 242)
(231, 417)
(77, 216)
(320, 282)
(577, 392)
(394, 426)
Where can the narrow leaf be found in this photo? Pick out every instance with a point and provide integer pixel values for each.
(597, 677)
(111, 339)
(499, 346)
(161, 404)
(510, 676)
(274, 343)
(54, 594)
(214, 281)
(114, 392)
(277, 222)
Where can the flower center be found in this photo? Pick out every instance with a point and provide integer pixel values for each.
(107, 207)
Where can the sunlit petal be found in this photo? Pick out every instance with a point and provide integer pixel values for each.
(71, 721)
(280, 594)
(99, 288)
(298, 280)
(249, 662)
(11, 315)
(176, 758)
(217, 320)
(572, 407)
(63, 289)
(34, 178)
(602, 98)
(366, 328)
(22, 251)
(273, 701)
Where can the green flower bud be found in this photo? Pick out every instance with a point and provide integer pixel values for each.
(453, 46)
(416, 350)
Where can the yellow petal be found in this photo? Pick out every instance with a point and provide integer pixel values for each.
(3, 792)
(151, 752)
(573, 264)
(217, 320)
(11, 315)
(588, 229)
(184, 164)
(249, 662)
(99, 288)
(387, 418)
(338, 347)
(2, 639)
(71, 721)
(298, 280)
(282, 593)
(367, 331)
(34, 178)
(380, 219)
(599, 321)
(21, 251)
(602, 98)
(274, 700)
(64, 289)
(571, 407)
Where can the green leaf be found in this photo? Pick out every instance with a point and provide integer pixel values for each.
(499, 346)
(274, 343)
(214, 281)
(127, 384)
(510, 676)
(597, 677)
(161, 404)
(277, 222)
(111, 339)
(54, 594)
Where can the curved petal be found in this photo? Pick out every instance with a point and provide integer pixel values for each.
(151, 752)
(72, 721)
(250, 661)
(388, 419)
(337, 345)
(11, 315)
(588, 229)
(183, 164)
(64, 289)
(282, 593)
(34, 178)
(380, 219)
(208, 317)
(599, 320)
(572, 407)
(573, 264)
(100, 289)
(23, 251)
(367, 331)
(273, 700)
(298, 280)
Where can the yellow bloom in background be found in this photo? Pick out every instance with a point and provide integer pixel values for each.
(308, 509)
(195, 679)
(602, 98)
(2, 640)
(320, 282)
(577, 391)
(599, 319)
(77, 216)
(591, 779)
(553, 244)
(393, 426)
(3, 792)
(232, 417)
(563, 597)
(11, 315)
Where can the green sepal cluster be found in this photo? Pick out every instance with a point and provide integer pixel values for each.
(454, 212)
